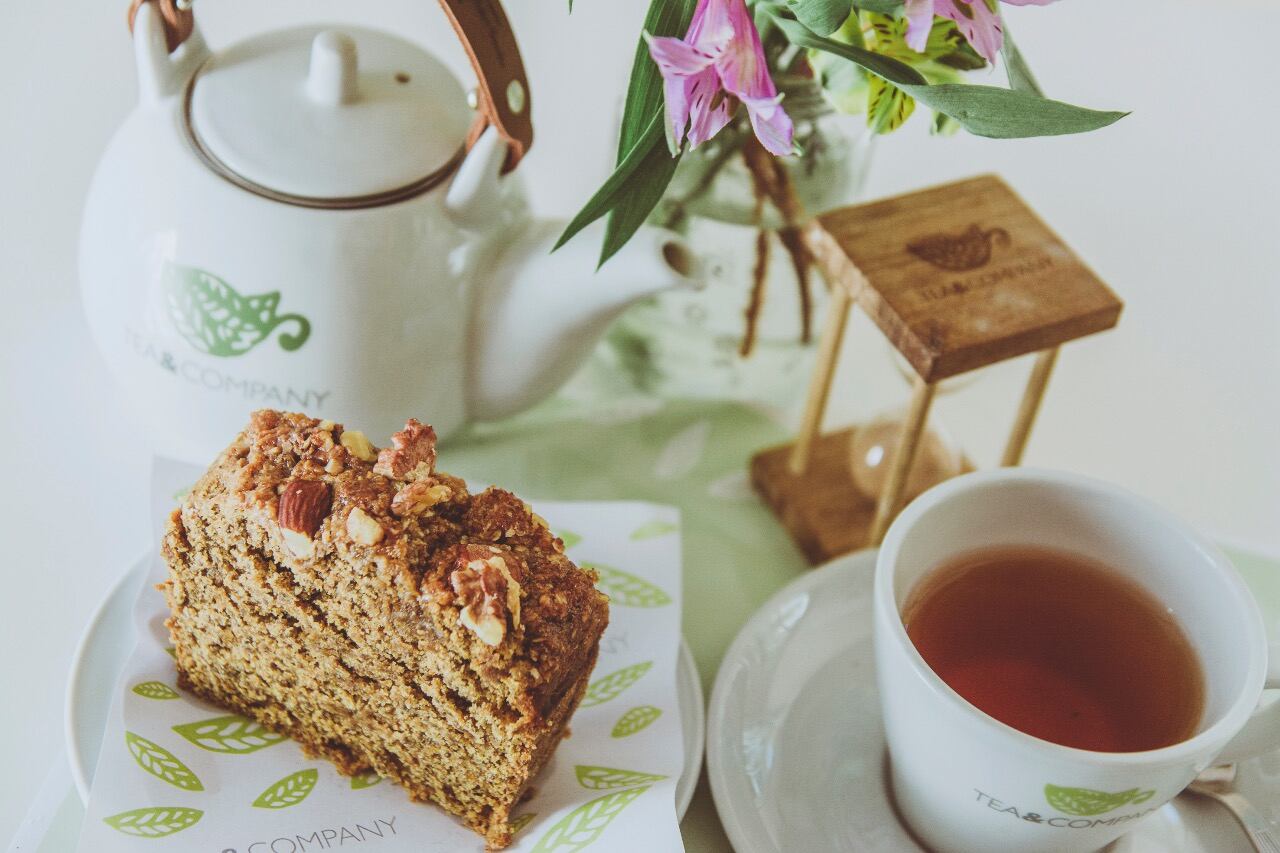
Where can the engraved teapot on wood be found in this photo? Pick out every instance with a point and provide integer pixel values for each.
(316, 219)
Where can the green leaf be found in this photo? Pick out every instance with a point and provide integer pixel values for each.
(569, 538)
(821, 16)
(1084, 802)
(161, 763)
(603, 689)
(628, 590)
(982, 110)
(1020, 77)
(364, 780)
(171, 652)
(618, 184)
(887, 106)
(601, 778)
(584, 825)
(644, 167)
(289, 791)
(887, 7)
(634, 720)
(230, 734)
(518, 823)
(653, 529)
(218, 321)
(155, 690)
(154, 821)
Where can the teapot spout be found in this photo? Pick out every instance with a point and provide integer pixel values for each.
(538, 316)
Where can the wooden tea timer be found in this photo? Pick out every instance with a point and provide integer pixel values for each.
(957, 277)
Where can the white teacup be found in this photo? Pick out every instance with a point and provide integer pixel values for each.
(965, 781)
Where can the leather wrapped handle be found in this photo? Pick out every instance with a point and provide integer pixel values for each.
(503, 100)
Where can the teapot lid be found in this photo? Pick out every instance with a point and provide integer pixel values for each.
(328, 118)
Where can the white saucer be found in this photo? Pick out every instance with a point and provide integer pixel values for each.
(795, 752)
(108, 640)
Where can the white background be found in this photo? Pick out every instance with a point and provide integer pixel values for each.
(1175, 206)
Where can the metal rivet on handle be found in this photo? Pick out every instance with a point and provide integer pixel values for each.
(515, 96)
(473, 99)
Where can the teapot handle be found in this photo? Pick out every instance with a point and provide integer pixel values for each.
(490, 43)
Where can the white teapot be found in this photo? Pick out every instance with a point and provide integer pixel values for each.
(314, 219)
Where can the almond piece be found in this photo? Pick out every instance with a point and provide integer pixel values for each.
(362, 528)
(304, 504)
(358, 444)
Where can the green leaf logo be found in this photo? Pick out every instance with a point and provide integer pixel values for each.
(519, 823)
(169, 650)
(154, 822)
(569, 538)
(635, 720)
(653, 530)
(289, 791)
(232, 734)
(1086, 803)
(364, 780)
(601, 778)
(585, 824)
(155, 690)
(161, 763)
(628, 590)
(603, 689)
(218, 321)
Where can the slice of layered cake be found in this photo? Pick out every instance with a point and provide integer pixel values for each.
(367, 606)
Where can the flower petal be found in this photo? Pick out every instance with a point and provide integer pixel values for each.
(742, 66)
(771, 124)
(676, 57)
(709, 110)
(919, 15)
(980, 26)
(676, 96)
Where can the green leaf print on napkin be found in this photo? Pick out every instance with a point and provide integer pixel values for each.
(603, 689)
(653, 530)
(289, 791)
(518, 823)
(171, 652)
(1086, 803)
(364, 780)
(155, 690)
(637, 719)
(569, 538)
(217, 320)
(231, 734)
(585, 824)
(628, 590)
(161, 763)
(600, 778)
(154, 821)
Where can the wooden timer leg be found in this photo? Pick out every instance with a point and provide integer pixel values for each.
(1030, 405)
(903, 456)
(820, 386)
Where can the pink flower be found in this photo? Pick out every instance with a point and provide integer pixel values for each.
(718, 63)
(978, 20)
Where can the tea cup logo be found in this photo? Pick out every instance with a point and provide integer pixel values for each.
(215, 319)
(1084, 802)
(967, 250)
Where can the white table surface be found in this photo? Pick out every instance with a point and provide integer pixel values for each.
(1175, 206)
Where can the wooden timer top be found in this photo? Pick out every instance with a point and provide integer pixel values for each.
(961, 276)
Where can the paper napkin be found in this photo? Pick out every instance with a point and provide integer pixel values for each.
(178, 773)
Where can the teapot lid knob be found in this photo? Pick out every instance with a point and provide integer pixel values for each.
(332, 78)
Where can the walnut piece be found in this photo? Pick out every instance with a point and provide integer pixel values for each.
(418, 497)
(358, 445)
(414, 455)
(487, 592)
(362, 528)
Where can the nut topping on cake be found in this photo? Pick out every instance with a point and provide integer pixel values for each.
(487, 591)
(304, 505)
(358, 445)
(414, 454)
(418, 497)
(362, 527)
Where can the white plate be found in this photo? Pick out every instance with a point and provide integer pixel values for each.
(109, 639)
(795, 751)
